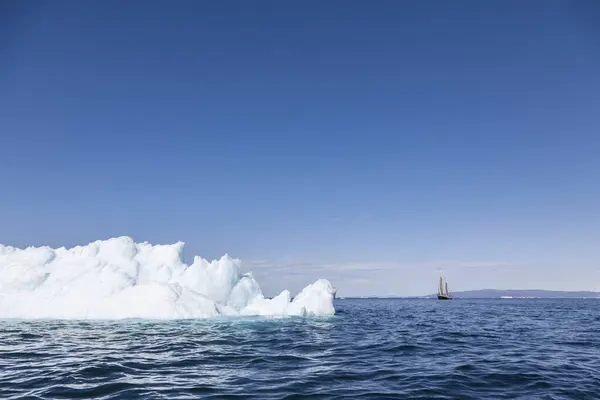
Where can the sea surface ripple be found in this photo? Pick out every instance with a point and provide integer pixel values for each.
(372, 349)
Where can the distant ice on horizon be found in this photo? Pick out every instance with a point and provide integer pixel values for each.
(119, 278)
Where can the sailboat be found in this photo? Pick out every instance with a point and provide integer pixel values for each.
(443, 295)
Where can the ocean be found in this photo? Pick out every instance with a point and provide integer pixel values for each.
(371, 349)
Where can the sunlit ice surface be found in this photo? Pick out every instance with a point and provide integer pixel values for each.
(119, 278)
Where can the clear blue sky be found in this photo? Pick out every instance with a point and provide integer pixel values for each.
(365, 142)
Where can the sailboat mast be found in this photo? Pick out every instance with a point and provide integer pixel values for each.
(443, 294)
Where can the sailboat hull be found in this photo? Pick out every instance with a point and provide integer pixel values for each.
(443, 297)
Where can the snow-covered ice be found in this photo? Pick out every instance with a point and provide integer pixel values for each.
(119, 278)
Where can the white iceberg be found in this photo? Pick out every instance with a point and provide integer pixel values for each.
(118, 278)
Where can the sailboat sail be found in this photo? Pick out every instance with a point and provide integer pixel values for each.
(443, 294)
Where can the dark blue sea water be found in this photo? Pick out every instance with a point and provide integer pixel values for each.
(372, 349)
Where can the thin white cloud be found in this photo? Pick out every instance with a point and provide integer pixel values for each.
(364, 278)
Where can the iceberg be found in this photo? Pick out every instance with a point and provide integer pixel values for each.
(119, 278)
